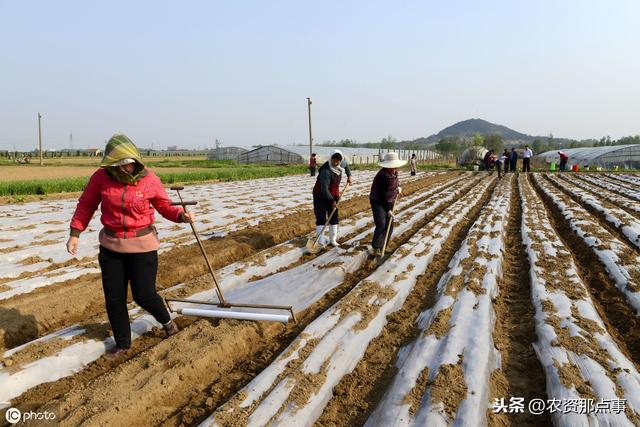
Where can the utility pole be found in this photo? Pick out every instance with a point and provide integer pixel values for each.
(310, 134)
(40, 137)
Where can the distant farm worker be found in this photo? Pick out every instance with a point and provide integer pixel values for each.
(500, 163)
(127, 192)
(505, 153)
(384, 190)
(313, 164)
(413, 164)
(526, 159)
(345, 165)
(486, 161)
(513, 160)
(326, 194)
(563, 160)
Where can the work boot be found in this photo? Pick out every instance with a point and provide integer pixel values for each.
(322, 241)
(116, 352)
(374, 251)
(333, 233)
(170, 328)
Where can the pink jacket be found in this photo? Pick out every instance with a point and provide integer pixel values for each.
(126, 208)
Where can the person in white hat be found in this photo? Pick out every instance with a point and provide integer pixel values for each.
(384, 190)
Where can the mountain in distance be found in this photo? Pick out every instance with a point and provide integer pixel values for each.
(466, 129)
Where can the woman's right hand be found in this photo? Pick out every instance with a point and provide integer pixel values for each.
(72, 245)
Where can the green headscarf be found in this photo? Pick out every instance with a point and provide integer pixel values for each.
(118, 148)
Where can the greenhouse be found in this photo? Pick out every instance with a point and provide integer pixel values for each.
(609, 157)
(226, 153)
(300, 154)
(472, 156)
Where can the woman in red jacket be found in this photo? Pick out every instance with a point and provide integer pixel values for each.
(127, 192)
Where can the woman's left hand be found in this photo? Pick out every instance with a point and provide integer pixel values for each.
(188, 217)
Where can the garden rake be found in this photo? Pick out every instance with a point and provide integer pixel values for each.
(312, 244)
(225, 308)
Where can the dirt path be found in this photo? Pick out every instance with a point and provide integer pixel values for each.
(515, 329)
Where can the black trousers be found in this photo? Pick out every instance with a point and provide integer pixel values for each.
(381, 219)
(118, 270)
(525, 165)
(512, 165)
(563, 165)
(312, 171)
(322, 209)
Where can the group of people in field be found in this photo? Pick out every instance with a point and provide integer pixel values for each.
(383, 194)
(507, 161)
(128, 194)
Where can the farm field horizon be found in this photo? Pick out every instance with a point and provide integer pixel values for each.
(487, 279)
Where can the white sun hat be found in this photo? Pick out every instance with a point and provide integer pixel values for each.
(338, 152)
(124, 162)
(391, 160)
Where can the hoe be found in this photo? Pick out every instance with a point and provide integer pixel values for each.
(225, 308)
(313, 245)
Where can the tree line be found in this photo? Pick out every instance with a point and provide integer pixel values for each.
(495, 142)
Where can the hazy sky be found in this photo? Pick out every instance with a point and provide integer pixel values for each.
(185, 73)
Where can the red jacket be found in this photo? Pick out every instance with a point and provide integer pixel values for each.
(125, 208)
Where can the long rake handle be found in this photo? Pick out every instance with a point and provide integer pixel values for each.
(332, 212)
(386, 237)
(204, 253)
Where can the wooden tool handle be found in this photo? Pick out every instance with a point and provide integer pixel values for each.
(183, 203)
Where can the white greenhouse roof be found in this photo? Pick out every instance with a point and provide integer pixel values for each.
(590, 154)
(325, 152)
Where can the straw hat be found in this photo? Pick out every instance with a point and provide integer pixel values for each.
(391, 160)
